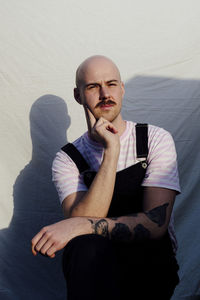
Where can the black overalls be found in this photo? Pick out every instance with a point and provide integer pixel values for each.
(98, 268)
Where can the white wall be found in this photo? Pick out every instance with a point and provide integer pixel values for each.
(156, 45)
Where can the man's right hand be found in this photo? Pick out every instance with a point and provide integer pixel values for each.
(96, 201)
(102, 131)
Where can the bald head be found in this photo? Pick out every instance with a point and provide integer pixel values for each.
(92, 65)
(100, 89)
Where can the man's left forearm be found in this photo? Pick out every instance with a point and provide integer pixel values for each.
(150, 224)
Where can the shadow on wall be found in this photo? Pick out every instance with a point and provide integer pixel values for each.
(36, 204)
(166, 102)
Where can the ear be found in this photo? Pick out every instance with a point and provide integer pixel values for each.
(77, 95)
(123, 89)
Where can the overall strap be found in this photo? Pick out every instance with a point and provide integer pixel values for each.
(142, 140)
(76, 156)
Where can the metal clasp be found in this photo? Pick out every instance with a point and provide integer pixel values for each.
(144, 165)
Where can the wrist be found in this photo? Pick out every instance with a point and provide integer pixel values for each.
(82, 225)
(112, 152)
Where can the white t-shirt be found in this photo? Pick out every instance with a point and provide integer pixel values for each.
(162, 162)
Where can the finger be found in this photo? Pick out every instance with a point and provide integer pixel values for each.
(52, 256)
(51, 251)
(107, 125)
(43, 250)
(35, 240)
(33, 250)
(42, 242)
(112, 129)
(102, 122)
(91, 121)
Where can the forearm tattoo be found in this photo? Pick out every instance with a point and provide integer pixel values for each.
(122, 232)
(100, 227)
(158, 214)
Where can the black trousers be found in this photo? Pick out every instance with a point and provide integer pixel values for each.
(96, 268)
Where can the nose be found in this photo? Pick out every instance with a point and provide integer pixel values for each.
(104, 93)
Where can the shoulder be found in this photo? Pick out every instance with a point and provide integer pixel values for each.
(160, 143)
(162, 168)
(152, 129)
(63, 162)
(155, 133)
(62, 159)
(159, 139)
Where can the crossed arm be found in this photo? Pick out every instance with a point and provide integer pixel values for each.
(149, 224)
(86, 211)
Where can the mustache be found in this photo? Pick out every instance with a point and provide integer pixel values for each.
(108, 102)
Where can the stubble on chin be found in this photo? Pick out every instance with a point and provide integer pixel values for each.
(110, 116)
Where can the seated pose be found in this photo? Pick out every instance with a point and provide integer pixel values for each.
(117, 184)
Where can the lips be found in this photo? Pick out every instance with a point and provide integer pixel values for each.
(106, 106)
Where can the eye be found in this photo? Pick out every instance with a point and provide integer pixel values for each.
(92, 86)
(112, 84)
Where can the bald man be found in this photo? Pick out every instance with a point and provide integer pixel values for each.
(117, 184)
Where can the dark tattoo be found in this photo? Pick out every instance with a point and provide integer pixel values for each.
(121, 232)
(141, 233)
(100, 227)
(158, 214)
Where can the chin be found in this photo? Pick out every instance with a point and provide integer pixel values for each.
(105, 116)
(108, 115)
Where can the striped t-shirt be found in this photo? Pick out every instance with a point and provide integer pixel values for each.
(162, 161)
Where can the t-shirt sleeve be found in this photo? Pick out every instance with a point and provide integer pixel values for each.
(162, 168)
(66, 176)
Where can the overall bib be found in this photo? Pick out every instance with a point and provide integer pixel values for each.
(98, 268)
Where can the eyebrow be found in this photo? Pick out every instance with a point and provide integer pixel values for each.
(113, 80)
(109, 81)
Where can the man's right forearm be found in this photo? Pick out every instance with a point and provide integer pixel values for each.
(96, 201)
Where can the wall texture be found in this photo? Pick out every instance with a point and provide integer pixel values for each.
(156, 45)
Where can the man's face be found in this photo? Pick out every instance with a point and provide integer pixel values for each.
(101, 89)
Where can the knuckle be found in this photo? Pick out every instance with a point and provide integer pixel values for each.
(43, 251)
(53, 240)
(58, 244)
(48, 234)
(44, 229)
(37, 247)
(50, 251)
